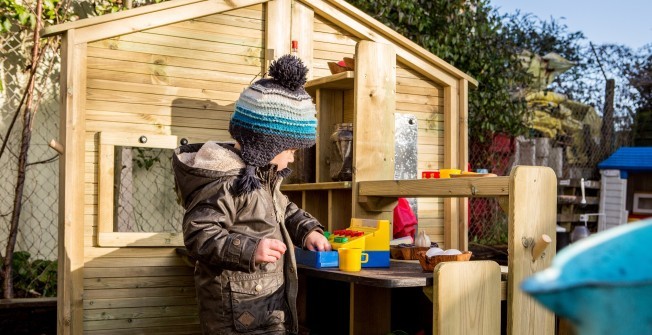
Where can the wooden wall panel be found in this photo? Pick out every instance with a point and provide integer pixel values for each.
(424, 99)
(181, 79)
(331, 44)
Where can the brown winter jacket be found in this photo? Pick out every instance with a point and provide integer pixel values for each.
(222, 232)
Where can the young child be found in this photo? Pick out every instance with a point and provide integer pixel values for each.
(238, 225)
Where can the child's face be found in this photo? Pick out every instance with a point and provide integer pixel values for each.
(283, 159)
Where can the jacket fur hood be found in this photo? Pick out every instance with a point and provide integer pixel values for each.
(198, 164)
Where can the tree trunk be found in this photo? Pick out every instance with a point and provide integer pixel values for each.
(8, 284)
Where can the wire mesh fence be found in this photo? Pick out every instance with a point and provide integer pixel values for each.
(37, 232)
(569, 137)
(146, 200)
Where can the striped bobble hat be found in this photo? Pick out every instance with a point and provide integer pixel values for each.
(273, 115)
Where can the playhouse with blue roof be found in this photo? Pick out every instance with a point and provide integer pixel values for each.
(627, 186)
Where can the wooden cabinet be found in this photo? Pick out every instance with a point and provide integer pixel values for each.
(366, 98)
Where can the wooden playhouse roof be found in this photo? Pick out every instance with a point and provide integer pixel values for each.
(355, 21)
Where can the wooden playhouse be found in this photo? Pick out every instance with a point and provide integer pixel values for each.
(156, 76)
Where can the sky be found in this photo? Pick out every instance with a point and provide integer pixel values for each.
(627, 22)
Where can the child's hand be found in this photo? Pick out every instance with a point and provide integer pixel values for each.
(269, 251)
(315, 241)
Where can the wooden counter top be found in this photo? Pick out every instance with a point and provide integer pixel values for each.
(399, 274)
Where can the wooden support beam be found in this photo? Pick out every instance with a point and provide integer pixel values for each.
(532, 213)
(70, 286)
(436, 188)
(303, 18)
(375, 99)
(58, 147)
(278, 17)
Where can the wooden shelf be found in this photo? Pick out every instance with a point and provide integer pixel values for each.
(340, 81)
(336, 185)
(588, 184)
(444, 188)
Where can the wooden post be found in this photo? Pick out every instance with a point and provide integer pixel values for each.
(303, 19)
(70, 280)
(373, 124)
(277, 30)
(451, 161)
(463, 157)
(607, 121)
(532, 213)
(466, 298)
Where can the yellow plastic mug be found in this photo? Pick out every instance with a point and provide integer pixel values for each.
(351, 259)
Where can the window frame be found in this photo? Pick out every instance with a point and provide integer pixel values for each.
(106, 236)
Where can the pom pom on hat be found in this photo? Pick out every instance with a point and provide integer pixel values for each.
(289, 72)
(273, 115)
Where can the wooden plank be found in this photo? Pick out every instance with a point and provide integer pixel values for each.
(466, 298)
(431, 91)
(164, 71)
(100, 283)
(119, 272)
(127, 43)
(451, 161)
(111, 239)
(334, 185)
(94, 296)
(150, 330)
(92, 253)
(136, 323)
(181, 121)
(329, 112)
(178, 92)
(230, 18)
(110, 262)
(338, 43)
(313, 203)
(339, 209)
(329, 55)
(165, 300)
(463, 160)
(301, 32)
(124, 77)
(155, 105)
(443, 188)
(278, 22)
(198, 30)
(375, 99)
(152, 19)
(374, 314)
(71, 185)
(146, 111)
(576, 200)
(194, 135)
(160, 60)
(179, 43)
(340, 81)
(105, 186)
(140, 312)
(569, 217)
(532, 212)
(588, 184)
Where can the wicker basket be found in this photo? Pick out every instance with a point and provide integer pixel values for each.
(405, 252)
(428, 263)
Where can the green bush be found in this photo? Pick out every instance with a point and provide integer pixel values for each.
(33, 279)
